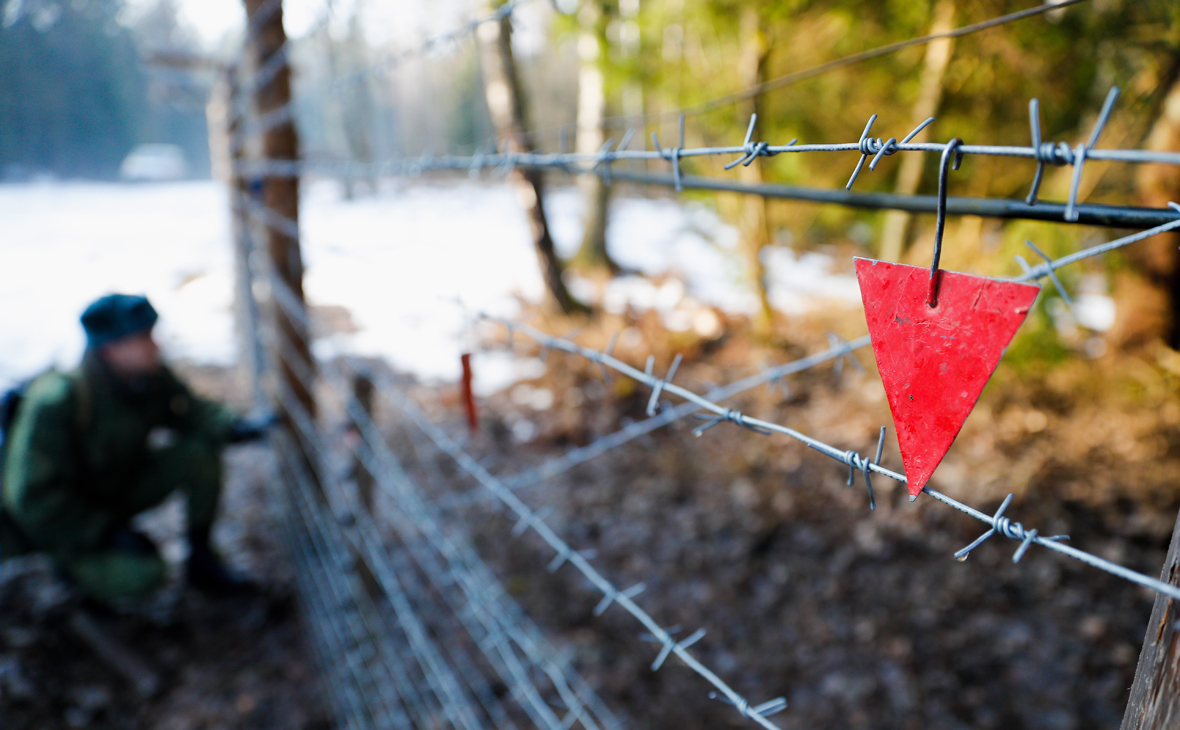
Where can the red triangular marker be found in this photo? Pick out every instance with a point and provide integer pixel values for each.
(935, 361)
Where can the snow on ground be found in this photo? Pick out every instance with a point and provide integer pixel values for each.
(409, 263)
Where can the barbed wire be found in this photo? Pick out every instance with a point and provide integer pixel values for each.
(854, 460)
(1042, 152)
(405, 668)
(534, 520)
(477, 599)
(773, 376)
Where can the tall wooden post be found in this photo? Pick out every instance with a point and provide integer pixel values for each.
(280, 194)
(363, 390)
(1155, 694)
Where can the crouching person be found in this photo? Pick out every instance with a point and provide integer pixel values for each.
(89, 449)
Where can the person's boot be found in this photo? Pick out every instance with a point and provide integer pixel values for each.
(208, 573)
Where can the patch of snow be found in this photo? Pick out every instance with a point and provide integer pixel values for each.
(410, 264)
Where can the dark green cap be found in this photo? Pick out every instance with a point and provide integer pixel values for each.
(115, 316)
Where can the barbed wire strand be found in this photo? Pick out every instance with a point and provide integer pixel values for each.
(853, 459)
(602, 161)
(668, 415)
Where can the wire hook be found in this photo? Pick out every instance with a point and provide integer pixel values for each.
(940, 226)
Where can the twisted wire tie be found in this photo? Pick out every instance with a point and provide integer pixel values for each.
(734, 417)
(766, 709)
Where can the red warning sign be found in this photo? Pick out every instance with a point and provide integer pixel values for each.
(934, 361)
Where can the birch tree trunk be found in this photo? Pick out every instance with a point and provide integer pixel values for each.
(591, 134)
(505, 96)
(909, 174)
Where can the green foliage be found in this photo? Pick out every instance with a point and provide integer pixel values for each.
(72, 92)
(690, 50)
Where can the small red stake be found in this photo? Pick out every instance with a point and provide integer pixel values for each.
(934, 361)
(468, 396)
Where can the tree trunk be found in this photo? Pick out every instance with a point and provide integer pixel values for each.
(753, 223)
(1155, 695)
(1157, 257)
(592, 134)
(909, 174)
(506, 104)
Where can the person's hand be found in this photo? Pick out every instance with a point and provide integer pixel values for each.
(247, 428)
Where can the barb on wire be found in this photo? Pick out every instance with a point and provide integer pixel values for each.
(659, 386)
(1083, 150)
(1007, 529)
(730, 415)
(878, 149)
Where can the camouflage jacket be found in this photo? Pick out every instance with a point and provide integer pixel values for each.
(76, 445)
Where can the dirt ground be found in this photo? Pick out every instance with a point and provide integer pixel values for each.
(861, 619)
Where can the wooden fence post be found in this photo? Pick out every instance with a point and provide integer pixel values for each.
(1155, 695)
(280, 193)
(363, 390)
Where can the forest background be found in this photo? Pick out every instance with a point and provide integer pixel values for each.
(85, 80)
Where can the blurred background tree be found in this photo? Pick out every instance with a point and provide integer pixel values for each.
(72, 90)
(76, 95)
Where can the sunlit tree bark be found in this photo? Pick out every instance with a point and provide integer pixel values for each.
(753, 223)
(505, 96)
(909, 173)
(591, 133)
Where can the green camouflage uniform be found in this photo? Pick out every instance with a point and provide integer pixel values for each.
(87, 453)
